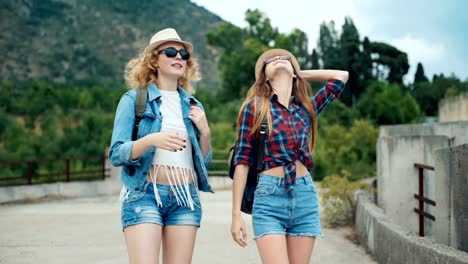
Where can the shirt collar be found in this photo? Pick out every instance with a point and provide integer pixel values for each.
(153, 93)
(292, 101)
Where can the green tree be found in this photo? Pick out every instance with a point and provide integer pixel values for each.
(350, 148)
(419, 76)
(428, 94)
(339, 113)
(350, 57)
(393, 61)
(314, 59)
(387, 104)
(297, 43)
(222, 139)
(237, 60)
(366, 67)
(259, 26)
(240, 52)
(4, 121)
(227, 36)
(328, 46)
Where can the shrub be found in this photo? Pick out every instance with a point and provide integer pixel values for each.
(338, 198)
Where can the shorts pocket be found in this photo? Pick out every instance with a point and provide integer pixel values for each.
(265, 189)
(310, 186)
(195, 196)
(134, 196)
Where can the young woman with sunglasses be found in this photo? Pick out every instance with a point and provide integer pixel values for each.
(165, 167)
(285, 215)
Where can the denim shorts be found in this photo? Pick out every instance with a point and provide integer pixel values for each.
(138, 210)
(293, 213)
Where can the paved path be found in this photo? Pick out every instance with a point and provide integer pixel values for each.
(87, 230)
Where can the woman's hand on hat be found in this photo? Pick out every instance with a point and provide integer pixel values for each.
(168, 140)
(198, 117)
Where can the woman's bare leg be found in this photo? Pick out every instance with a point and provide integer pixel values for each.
(143, 243)
(300, 249)
(178, 244)
(273, 249)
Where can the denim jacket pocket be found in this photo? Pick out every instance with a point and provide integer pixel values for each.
(146, 124)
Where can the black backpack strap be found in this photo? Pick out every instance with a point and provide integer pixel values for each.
(259, 147)
(140, 106)
(261, 144)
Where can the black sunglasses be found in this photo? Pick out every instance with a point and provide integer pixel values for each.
(172, 52)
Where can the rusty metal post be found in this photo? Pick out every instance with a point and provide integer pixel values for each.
(29, 172)
(421, 202)
(104, 167)
(67, 170)
(421, 199)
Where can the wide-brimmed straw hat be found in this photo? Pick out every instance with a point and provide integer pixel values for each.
(273, 53)
(166, 35)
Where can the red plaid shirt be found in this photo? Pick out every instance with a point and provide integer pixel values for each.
(287, 142)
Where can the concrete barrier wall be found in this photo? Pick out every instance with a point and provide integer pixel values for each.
(390, 243)
(454, 109)
(459, 194)
(456, 131)
(452, 197)
(441, 231)
(397, 177)
(110, 186)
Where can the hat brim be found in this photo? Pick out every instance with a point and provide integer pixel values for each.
(188, 46)
(273, 53)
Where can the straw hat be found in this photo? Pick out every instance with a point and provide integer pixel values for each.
(166, 35)
(273, 53)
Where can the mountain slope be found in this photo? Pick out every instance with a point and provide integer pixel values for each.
(89, 42)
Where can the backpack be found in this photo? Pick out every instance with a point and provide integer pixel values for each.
(140, 106)
(254, 170)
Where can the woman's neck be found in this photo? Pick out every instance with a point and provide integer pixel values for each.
(167, 83)
(283, 88)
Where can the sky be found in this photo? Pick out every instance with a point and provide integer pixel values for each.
(433, 32)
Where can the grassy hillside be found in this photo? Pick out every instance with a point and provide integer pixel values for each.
(89, 42)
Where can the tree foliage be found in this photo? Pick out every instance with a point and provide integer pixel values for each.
(419, 76)
(388, 104)
(42, 119)
(428, 94)
(392, 64)
(350, 148)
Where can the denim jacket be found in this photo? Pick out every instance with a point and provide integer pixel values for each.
(120, 151)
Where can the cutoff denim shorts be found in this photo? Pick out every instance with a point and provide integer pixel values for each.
(293, 213)
(136, 210)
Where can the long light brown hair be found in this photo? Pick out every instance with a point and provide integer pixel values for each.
(140, 71)
(260, 94)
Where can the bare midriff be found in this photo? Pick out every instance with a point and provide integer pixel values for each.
(301, 170)
(164, 173)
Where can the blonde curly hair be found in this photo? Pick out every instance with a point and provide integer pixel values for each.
(140, 71)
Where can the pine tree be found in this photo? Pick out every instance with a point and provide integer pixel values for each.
(328, 46)
(350, 56)
(366, 67)
(419, 76)
(314, 58)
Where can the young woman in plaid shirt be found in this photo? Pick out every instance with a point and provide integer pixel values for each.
(285, 216)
